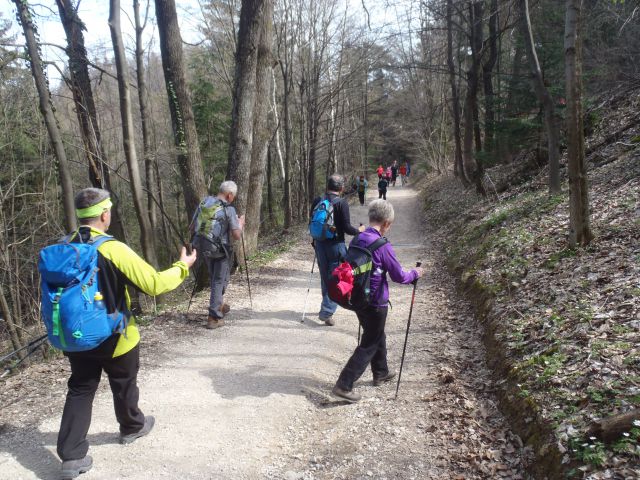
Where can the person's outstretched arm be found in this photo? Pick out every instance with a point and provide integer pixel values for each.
(344, 219)
(141, 274)
(391, 264)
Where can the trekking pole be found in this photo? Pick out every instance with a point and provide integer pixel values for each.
(306, 298)
(28, 345)
(34, 345)
(406, 336)
(195, 281)
(246, 268)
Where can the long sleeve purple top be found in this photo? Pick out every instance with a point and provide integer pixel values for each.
(384, 261)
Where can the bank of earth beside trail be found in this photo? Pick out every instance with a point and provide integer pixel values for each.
(561, 325)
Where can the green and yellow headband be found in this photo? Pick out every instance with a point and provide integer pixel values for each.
(94, 210)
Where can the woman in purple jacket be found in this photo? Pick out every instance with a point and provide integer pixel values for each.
(373, 347)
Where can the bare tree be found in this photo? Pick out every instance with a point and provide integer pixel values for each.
(128, 136)
(473, 163)
(579, 222)
(85, 106)
(184, 127)
(487, 80)
(262, 130)
(244, 97)
(551, 119)
(143, 102)
(44, 95)
(455, 98)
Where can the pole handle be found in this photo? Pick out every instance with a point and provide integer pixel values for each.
(415, 282)
(189, 248)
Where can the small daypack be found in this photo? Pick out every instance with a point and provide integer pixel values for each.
(210, 223)
(349, 284)
(322, 226)
(72, 305)
(361, 186)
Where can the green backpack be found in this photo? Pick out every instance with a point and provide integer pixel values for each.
(210, 223)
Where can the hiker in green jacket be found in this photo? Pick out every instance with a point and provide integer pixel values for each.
(120, 269)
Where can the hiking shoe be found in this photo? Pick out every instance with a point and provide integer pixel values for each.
(149, 421)
(73, 468)
(327, 319)
(348, 395)
(377, 381)
(225, 308)
(213, 323)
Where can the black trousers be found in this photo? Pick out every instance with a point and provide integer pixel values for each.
(361, 197)
(382, 194)
(372, 349)
(86, 369)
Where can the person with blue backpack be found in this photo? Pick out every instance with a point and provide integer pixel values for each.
(86, 278)
(372, 306)
(330, 221)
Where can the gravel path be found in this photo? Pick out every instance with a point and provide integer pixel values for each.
(241, 402)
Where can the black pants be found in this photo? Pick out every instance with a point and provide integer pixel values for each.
(361, 197)
(372, 349)
(382, 194)
(86, 369)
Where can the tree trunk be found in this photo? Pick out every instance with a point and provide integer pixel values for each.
(99, 174)
(579, 222)
(143, 101)
(270, 210)
(473, 162)
(551, 120)
(262, 130)
(16, 342)
(611, 428)
(487, 80)
(288, 211)
(244, 98)
(128, 136)
(455, 99)
(44, 97)
(184, 127)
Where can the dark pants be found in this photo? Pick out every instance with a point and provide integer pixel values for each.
(372, 349)
(219, 279)
(361, 197)
(382, 194)
(86, 369)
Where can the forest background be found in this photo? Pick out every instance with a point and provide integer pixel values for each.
(276, 95)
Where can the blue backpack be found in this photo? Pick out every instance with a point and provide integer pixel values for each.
(322, 226)
(72, 306)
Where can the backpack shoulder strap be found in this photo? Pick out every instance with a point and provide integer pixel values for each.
(100, 239)
(377, 244)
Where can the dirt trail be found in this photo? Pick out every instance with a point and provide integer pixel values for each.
(234, 403)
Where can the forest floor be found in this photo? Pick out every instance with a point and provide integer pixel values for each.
(251, 400)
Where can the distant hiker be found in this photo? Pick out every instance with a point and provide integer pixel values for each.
(383, 184)
(86, 308)
(394, 173)
(373, 348)
(214, 226)
(330, 220)
(360, 185)
(408, 170)
(380, 171)
(388, 173)
(403, 174)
